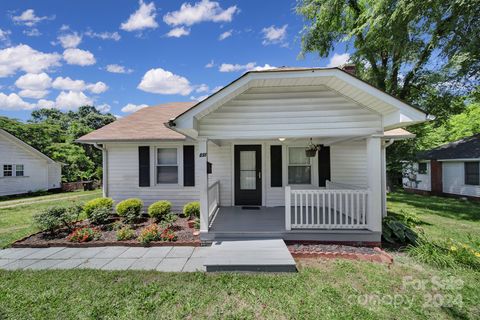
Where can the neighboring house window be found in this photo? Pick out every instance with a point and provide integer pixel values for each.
(299, 166)
(422, 168)
(472, 173)
(19, 172)
(7, 170)
(167, 165)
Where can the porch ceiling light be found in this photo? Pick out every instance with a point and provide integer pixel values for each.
(281, 139)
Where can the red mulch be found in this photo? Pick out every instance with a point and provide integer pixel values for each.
(335, 251)
(108, 238)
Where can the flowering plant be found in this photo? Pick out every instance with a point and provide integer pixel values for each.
(168, 235)
(155, 233)
(84, 234)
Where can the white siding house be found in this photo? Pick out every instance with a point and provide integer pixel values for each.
(24, 169)
(242, 153)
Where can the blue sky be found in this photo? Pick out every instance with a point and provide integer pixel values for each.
(124, 55)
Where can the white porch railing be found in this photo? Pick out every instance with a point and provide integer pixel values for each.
(326, 208)
(213, 199)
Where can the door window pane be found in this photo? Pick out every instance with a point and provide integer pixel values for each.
(248, 170)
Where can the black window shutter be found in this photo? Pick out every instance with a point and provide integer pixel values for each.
(144, 166)
(276, 166)
(323, 166)
(188, 166)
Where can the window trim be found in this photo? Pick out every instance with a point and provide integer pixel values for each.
(13, 170)
(426, 168)
(178, 165)
(465, 173)
(287, 163)
(5, 170)
(17, 171)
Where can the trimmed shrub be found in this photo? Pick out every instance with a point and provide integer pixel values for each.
(192, 209)
(57, 217)
(125, 233)
(100, 215)
(159, 210)
(84, 234)
(130, 209)
(93, 204)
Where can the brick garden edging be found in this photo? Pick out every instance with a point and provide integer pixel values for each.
(381, 257)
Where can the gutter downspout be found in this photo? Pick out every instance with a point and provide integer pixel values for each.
(387, 144)
(104, 167)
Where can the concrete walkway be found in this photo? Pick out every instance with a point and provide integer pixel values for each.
(174, 259)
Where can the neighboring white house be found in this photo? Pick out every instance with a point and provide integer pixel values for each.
(242, 153)
(24, 169)
(451, 169)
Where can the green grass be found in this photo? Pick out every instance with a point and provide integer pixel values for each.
(16, 222)
(324, 289)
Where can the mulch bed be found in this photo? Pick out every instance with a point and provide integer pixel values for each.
(184, 234)
(334, 251)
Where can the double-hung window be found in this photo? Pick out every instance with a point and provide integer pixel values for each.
(167, 166)
(299, 166)
(7, 170)
(472, 173)
(19, 170)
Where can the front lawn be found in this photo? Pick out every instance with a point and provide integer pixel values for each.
(16, 218)
(323, 289)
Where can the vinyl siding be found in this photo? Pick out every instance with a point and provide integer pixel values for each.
(454, 180)
(35, 169)
(425, 180)
(297, 112)
(348, 163)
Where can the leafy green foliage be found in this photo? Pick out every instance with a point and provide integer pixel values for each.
(125, 233)
(53, 133)
(93, 204)
(130, 209)
(53, 218)
(168, 220)
(100, 215)
(192, 209)
(397, 232)
(160, 209)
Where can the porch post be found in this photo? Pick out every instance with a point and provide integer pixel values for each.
(288, 206)
(374, 174)
(203, 183)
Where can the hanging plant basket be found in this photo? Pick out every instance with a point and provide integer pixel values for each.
(310, 153)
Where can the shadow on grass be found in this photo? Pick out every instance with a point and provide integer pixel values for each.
(445, 207)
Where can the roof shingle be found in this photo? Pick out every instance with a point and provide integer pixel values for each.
(466, 148)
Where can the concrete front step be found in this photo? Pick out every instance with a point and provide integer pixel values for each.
(260, 255)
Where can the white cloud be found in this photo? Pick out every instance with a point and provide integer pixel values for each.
(29, 18)
(34, 81)
(164, 82)
(251, 66)
(68, 84)
(32, 32)
(13, 102)
(211, 64)
(141, 19)
(45, 104)
(225, 35)
(274, 35)
(24, 58)
(132, 107)
(199, 98)
(115, 68)
(71, 40)
(64, 27)
(33, 94)
(115, 36)
(5, 36)
(71, 100)
(202, 88)
(104, 108)
(204, 10)
(338, 60)
(228, 67)
(97, 88)
(79, 57)
(178, 32)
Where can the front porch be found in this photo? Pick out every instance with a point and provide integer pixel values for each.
(234, 223)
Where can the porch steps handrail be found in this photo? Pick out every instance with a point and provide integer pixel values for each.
(326, 208)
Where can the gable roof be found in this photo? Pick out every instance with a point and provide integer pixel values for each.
(145, 124)
(25, 145)
(395, 112)
(466, 148)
